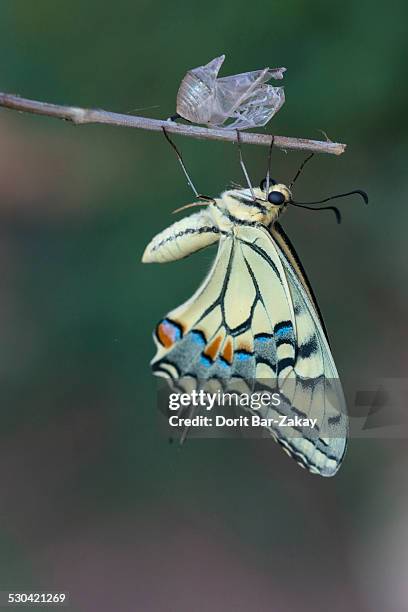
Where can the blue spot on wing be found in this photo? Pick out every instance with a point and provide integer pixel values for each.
(281, 331)
(242, 355)
(263, 337)
(198, 337)
(205, 361)
(222, 362)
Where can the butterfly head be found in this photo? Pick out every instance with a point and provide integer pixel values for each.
(277, 195)
(255, 204)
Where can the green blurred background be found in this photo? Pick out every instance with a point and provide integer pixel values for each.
(94, 500)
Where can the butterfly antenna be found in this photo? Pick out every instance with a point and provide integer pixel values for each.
(189, 181)
(333, 208)
(244, 170)
(359, 192)
(299, 172)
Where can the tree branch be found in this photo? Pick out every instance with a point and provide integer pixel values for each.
(81, 116)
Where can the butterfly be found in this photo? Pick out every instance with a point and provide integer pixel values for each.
(254, 319)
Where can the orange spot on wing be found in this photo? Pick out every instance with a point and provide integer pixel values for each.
(228, 352)
(168, 333)
(163, 336)
(212, 349)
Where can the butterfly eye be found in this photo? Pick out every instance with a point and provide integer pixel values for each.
(263, 183)
(276, 197)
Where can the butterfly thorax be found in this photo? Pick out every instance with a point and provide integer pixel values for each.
(238, 206)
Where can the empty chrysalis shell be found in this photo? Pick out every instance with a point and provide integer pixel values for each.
(245, 98)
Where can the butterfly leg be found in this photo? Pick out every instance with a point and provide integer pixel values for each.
(268, 171)
(242, 164)
(178, 154)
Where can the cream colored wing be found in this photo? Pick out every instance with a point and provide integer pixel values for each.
(306, 376)
(251, 326)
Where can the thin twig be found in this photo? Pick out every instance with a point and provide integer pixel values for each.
(81, 116)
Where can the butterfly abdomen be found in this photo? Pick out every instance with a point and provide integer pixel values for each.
(182, 238)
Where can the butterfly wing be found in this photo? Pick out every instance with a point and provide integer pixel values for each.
(212, 334)
(314, 363)
(242, 330)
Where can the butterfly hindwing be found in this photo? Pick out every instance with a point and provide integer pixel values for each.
(254, 324)
(227, 323)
